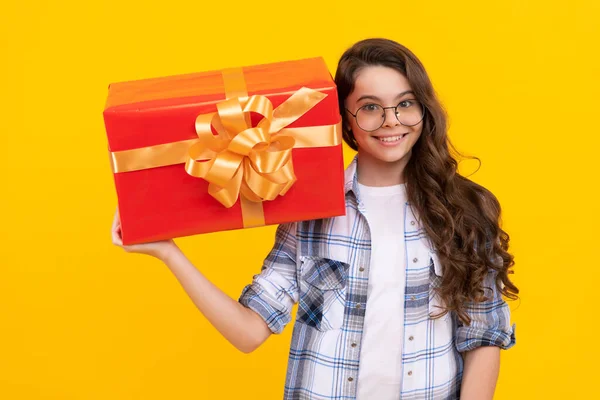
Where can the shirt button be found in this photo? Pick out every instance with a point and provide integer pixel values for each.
(413, 298)
(353, 345)
(411, 338)
(361, 269)
(358, 306)
(415, 259)
(350, 379)
(409, 373)
(412, 222)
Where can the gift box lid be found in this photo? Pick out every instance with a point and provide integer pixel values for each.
(154, 111)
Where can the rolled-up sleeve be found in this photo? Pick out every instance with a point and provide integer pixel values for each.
(274, 291)
(490, 321)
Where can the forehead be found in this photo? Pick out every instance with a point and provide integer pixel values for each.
(383, 82)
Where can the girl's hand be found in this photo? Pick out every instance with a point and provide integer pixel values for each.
(155, 249)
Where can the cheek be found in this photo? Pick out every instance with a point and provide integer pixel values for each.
(360, 135)
(418, 132)
(362, 138)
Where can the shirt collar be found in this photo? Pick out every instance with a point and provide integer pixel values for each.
(350, 177)
(351, 180)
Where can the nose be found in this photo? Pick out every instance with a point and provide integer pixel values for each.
(389, 117)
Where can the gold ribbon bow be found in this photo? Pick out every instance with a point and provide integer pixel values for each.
(252, 161)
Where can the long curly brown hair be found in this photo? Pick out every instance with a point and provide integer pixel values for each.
(460, 217)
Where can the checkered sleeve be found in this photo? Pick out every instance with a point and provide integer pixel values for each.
(490, 321)
(274, 291)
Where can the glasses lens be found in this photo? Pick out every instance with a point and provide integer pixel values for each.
(409, 112)
(370, 117)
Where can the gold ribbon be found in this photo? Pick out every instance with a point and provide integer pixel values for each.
(252, 163)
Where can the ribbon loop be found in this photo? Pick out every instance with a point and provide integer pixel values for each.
(246, 141)
(232, 116)
(254, 162)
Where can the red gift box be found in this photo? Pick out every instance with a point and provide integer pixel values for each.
(223, 150)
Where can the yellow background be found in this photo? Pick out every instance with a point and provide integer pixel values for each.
(81, 319)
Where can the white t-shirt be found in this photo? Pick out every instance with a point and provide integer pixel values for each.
(380, 369)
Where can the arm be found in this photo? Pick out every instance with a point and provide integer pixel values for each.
(264, 307)
(241, 326)
(481, 341)
(275, 290)
(482, 366)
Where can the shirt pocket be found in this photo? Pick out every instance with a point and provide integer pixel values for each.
(322, 292)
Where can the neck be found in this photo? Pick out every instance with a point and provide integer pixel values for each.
(374, 172)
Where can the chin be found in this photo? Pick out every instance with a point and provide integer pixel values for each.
(389, 156)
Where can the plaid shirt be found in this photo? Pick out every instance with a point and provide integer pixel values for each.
(323, 266)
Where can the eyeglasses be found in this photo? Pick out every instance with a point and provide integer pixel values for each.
(371, 117)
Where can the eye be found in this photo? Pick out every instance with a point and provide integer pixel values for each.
(370, 108)
(406, 103)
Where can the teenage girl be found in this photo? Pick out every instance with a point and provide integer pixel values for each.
(401, 298)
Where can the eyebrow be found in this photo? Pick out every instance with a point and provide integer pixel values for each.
(369, 96)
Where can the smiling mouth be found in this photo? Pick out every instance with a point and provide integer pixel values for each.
(390, 139)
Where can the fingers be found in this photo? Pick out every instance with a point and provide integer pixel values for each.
(116, 230)
(116, 220)
(116, 239)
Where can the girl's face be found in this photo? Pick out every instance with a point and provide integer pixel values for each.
(376, 87)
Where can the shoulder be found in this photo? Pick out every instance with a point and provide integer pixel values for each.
(314, 225)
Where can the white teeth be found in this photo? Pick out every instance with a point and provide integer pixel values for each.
(391, 138)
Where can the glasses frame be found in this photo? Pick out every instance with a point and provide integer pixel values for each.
(385, 116)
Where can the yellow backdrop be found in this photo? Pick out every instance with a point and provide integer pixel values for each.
(81, 319)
